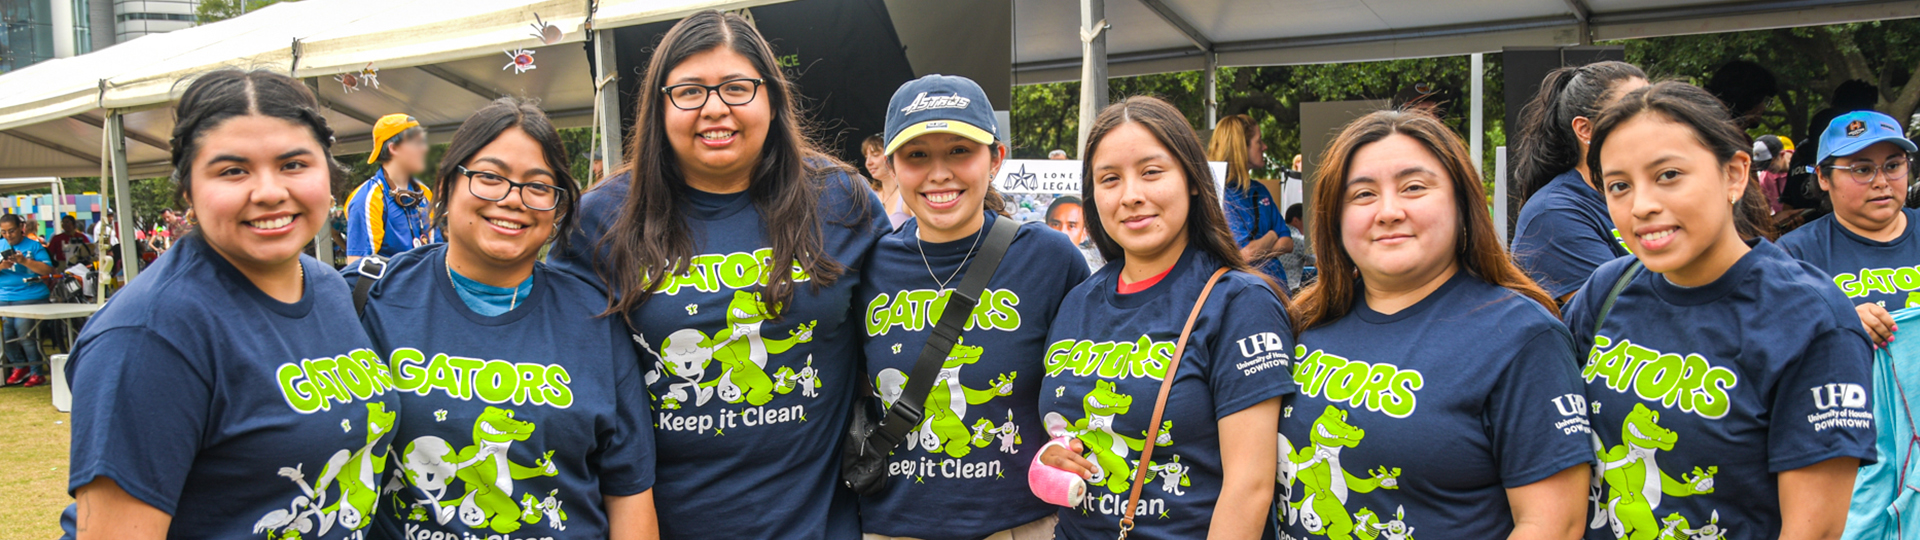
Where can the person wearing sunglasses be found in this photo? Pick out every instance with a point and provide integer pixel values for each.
(524, 413)
(733, 248)
(1867, 244)
(387, 215)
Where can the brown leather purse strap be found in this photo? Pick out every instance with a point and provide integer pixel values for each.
(1160, 405)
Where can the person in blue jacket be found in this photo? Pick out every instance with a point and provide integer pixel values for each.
(391, 212)
(981, 428)
(1563, 232)
(1727, 383)
(1157, 217)
(1252, 215)
(1438, 390)
(733, 249)
(229, 391)
(544, 429)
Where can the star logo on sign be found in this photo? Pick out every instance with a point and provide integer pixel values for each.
(896, 348)
(693, 309)
(346, 427)
(440, 415)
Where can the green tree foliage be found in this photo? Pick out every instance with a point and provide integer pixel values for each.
(1046, 117)
(220, 10)
(1807, 62)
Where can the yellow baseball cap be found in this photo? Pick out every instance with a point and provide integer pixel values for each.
(386, 128)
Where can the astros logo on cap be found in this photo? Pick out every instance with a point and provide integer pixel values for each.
(1855, 128)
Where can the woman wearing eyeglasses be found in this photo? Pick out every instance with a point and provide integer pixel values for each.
(527, 415)
(1866, 244)
(732, 247)
(1869, 247)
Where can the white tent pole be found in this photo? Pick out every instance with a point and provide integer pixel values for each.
(607, 101)
(99, 240)
(1477, 131)
(1211, 101)
(1093, 66)
(1500, 187)
(123, 195)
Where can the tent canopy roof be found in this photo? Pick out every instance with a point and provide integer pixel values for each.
(1157, 36)
(441, 59)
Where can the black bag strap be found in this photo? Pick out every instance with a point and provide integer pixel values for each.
(364, 286)
(1612, 295)
(907, 411)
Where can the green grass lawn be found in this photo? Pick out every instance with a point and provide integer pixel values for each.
(34, 490)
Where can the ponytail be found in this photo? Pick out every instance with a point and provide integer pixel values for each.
(1546, 145)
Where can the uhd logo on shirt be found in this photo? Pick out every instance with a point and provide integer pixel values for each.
(1828, 396)
(924, 102)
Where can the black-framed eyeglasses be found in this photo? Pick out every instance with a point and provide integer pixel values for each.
(692, 96)
(1894, 170)
(495, 188)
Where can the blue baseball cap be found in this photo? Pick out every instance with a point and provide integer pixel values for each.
(939, 104)
(1855, 131)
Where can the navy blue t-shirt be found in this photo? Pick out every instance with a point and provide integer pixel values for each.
(1251, 214)
(1107, 356)
(1422, 419)
(968, 459)
(239, 415)
(1885, 273)
(749, 410)
(1701, 395)
(1563, 233)
(514, 424)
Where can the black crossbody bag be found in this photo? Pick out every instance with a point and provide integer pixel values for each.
(863, 458)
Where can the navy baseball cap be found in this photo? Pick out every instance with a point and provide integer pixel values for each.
(1855, 131)
(939, 104)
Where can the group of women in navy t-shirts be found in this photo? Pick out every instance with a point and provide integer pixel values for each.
(685, 363)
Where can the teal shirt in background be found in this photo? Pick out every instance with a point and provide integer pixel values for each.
(486, 299)
(14, 286)
(1885, 505)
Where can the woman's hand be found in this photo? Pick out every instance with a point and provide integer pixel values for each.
(1879, 323)
(1068, 458)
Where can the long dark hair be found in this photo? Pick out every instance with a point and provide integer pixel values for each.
(650, 241)
(1206, 222)
(1546, 145)
(481, 129)
(1478, 251)
(1711, 123)
(218, 96)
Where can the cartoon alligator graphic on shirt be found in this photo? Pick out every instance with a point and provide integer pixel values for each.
(1317, 468)
(944, 429)
(1367, 526)
(482, 469)
(1107, 449)
(1633, 479)
(741, 352)
(354, 472)
(1674, 527)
